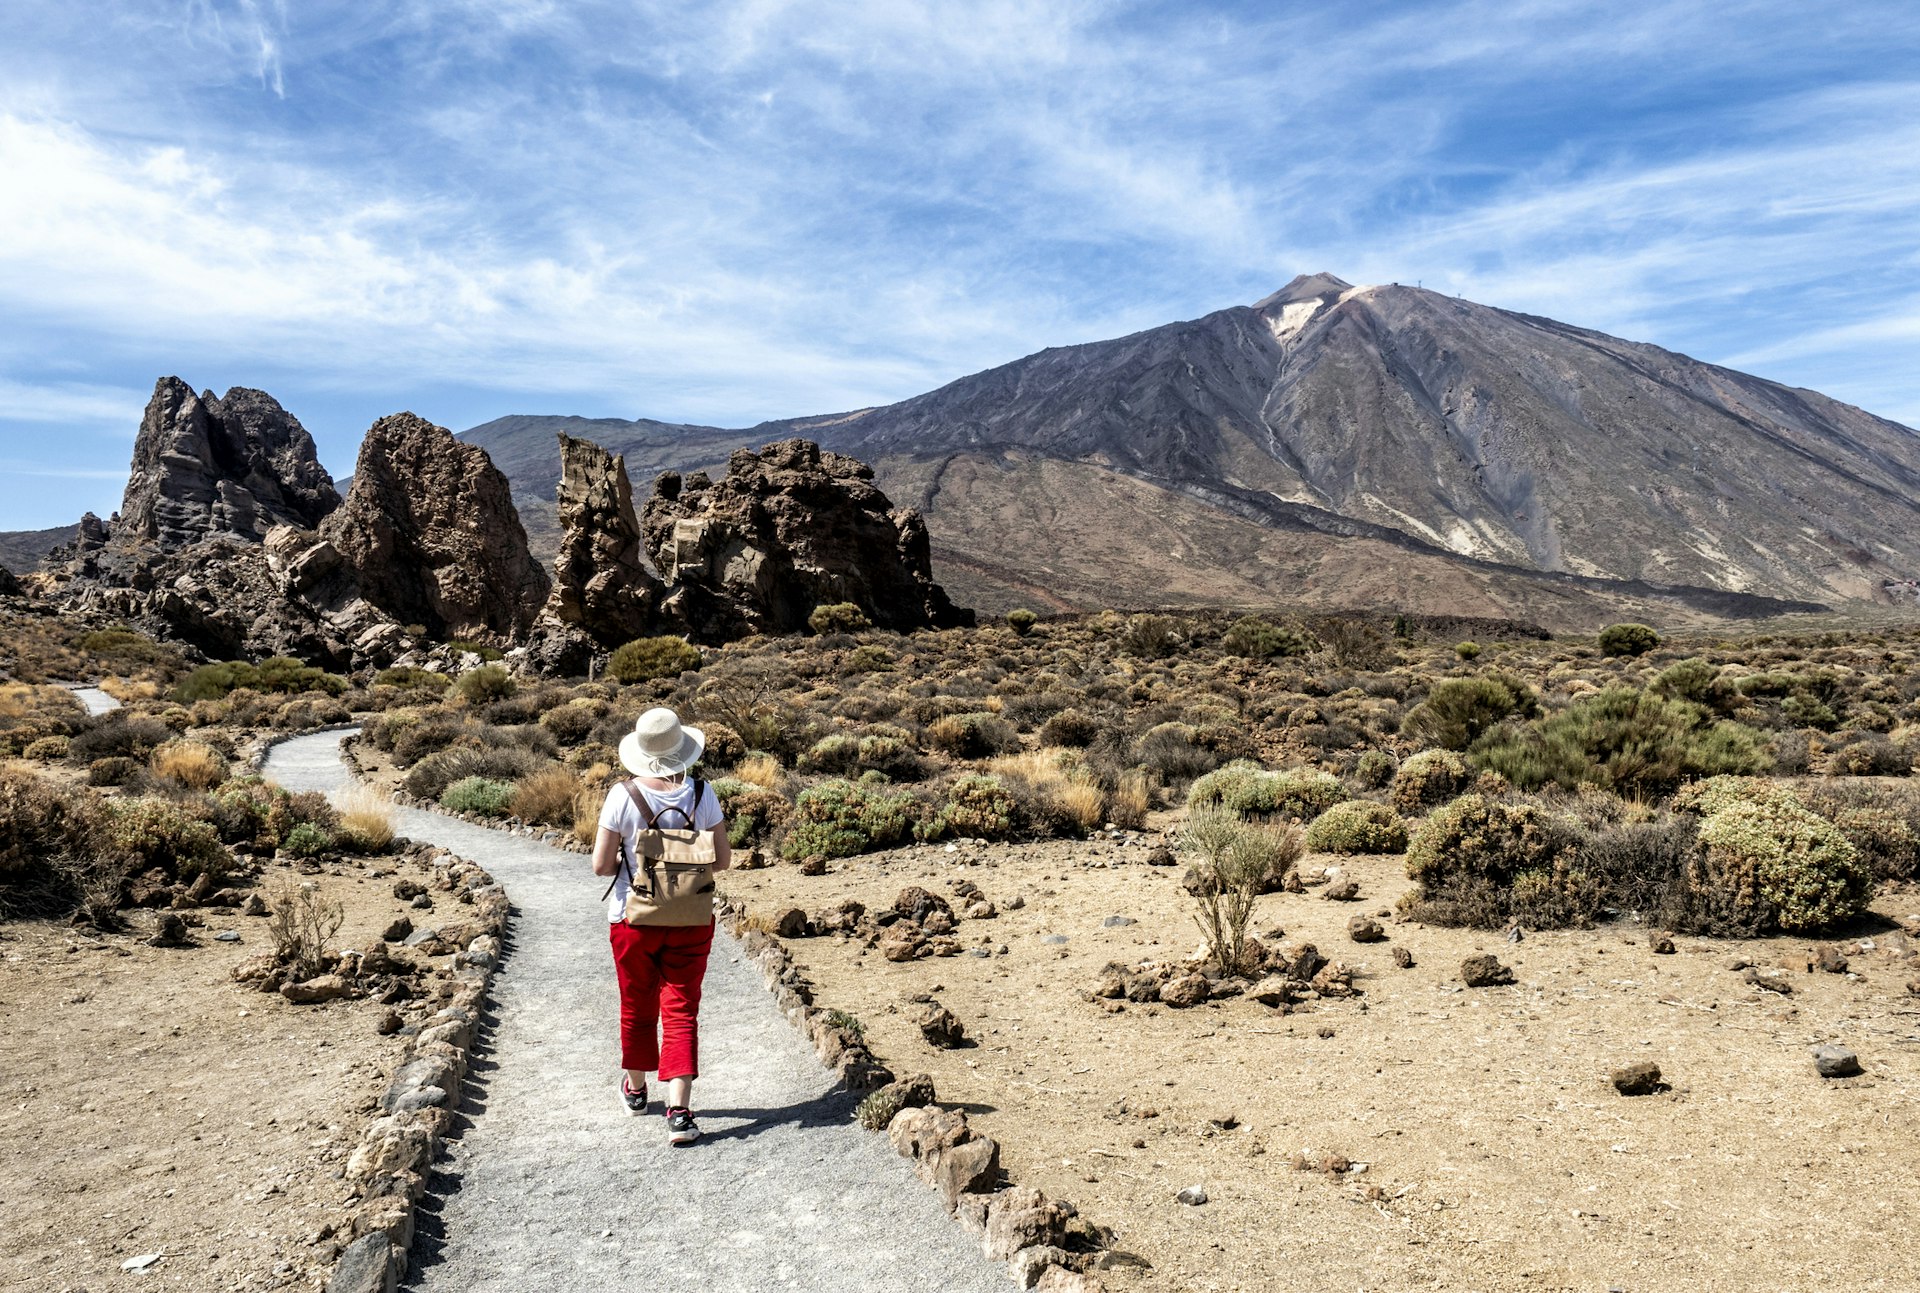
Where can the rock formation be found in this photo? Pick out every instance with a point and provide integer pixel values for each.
(787, 529)
(202, 467)
(430, 534)
(603, 593)
(9, 586)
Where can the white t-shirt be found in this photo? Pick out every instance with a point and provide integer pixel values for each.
(620, 814)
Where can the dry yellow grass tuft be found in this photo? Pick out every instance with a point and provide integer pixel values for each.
(1057, 777)
(366, 820)
(547, 796)
(760, 770)
(129, 690)
(192, 764)
(1127, 807)
(587, 802)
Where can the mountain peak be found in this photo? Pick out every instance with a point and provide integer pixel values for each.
(1305, 287)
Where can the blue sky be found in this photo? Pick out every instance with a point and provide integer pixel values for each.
(731, 210)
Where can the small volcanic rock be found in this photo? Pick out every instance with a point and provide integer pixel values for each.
(1403, 958)
(1483, 970)
(1836, 1062)
(1640, 1078)
(1365, 929)
(941, 1027)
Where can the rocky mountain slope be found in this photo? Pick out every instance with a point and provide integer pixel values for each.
(1287, 449)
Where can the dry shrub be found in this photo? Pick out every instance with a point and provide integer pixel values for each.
(547, 797)
(301, 924)
(1063, 794)
(192, 764)
(48, 840)
(762, 770)
(1237, 861)
(1132, 796)
(366, 820)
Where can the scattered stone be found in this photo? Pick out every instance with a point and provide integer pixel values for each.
(1768, 980)
(169, 931)
(423, 903)
(1661, 945)
(1030, 1264)
(323, 987)
(941, 1027)
(981, 910)
(1274, 990)
(253, 906)
(813, 866)
(1828, 960)
(1185, 991)
(1161, 855)
(792, 923)
(1117, 922)
(227, 936)
(1345, 889)
(1515, 933)
(1193, 1196)
(1054, 939)
(398, 930)
(140, 1263)
(1639, 1078)
(1365, 929)
(1836, 1062)
(390, 1023)
(1403, 958)
(367, 1266)
(1483, 970)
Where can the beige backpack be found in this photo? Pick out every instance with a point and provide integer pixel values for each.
(670, 882)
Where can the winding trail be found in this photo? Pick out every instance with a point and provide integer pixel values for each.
(96, 701)
(552, 1186)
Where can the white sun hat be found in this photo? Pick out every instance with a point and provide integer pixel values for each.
(660, 745)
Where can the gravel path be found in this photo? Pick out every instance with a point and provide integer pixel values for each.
(96, 701)
(553, 1186)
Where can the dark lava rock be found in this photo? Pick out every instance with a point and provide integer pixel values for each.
(1483, 970)
(1365, 929)
(1836, 1062)
(1641, 1078)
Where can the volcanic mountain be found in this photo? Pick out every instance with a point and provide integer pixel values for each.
(1339, 445)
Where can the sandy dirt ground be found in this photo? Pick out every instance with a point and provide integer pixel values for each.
(149, 1104)
(1490, 1150)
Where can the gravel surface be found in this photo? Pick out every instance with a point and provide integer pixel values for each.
(96, 701)
(554, 1186)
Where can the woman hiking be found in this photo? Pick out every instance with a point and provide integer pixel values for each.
(659, 841)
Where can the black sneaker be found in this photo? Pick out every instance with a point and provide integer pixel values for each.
(634, 1102)
(681, 1128)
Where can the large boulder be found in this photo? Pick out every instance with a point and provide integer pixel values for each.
(9, 586)
(431, 535)
(603, 594)
(787, 529)
(204, 467)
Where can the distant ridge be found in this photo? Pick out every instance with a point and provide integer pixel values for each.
(1494, 462)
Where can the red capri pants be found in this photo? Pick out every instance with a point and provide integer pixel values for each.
(660, 969)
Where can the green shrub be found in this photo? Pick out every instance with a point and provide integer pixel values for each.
(979, 805)
(1624, 740)
(1705, 798)
(1459, 710)
(644, 659)
(306, 841)
(489, 682)
(1485, 863)
(1375, 769)
(1175, 753)
(278, 674)
(834, 755)
(406, 676)
(1467, 650)
(481, 795)
(118, 735)
(1235, 861)
(1779, 866)
(1022, 620)
(1627, 639)
(430, 777)
(114, 770)
(1803, 710)
(571, 723)
(246, 810)
(1259, 639)
(1357, 826)
(754, 813)
(48, 749)
(840, 617)
(1696, 680)
(148, 832)
(1152, 637)
(1248, 790)
(837, 819)
(466, 646)
(1429, 779)
(1072, 728)
(869, 657)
